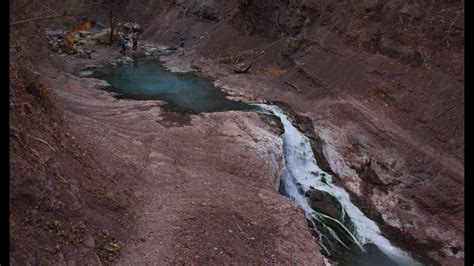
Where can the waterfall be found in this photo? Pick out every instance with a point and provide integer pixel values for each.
(351, 228)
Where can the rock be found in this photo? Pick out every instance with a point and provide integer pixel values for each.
(324, 202)
(147, 53)
(86, 73)
(139, 53)
(88, 241)
(101, 84)
(103, 36)
(127, 26)
(127, 60)
(91, 42)
(315, 174)
(85, 54)
(56, 33)
(112, 247)
(137, 27)
(84, 34)
(153, 50)
(241, 67)
(81, 53)
(132, 26)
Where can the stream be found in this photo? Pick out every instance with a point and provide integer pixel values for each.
(344, 233)
(341, 228)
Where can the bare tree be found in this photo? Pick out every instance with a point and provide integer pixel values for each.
(116, 9)
(113, 18)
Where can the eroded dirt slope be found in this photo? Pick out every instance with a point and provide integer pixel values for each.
(381, 81)
(65, 206)
(204, 186)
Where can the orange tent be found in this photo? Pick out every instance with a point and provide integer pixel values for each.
(85, 25)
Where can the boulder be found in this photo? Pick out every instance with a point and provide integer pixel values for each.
(89, 67)
(103, 36)
(325, 203)
(137, 27)
(86, 73)
(132, 27)
(101, 84)
(127, 26)
(241, 67)
(84, 33)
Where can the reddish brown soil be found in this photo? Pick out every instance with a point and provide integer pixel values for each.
(65, 205)
(200, 189)
(124, 181)
(367, 103)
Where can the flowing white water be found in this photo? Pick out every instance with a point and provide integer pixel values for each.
(301, 173)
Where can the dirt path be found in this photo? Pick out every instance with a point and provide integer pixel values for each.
(204, 184)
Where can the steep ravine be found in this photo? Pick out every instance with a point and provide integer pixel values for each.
(338, 235)
(374, 91)
(373, 115)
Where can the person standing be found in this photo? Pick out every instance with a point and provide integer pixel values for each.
(181, 48)
(123, 44)
(135, 40)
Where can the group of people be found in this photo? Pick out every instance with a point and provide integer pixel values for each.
(133, 36)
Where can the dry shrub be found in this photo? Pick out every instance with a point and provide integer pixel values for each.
(293, 44)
